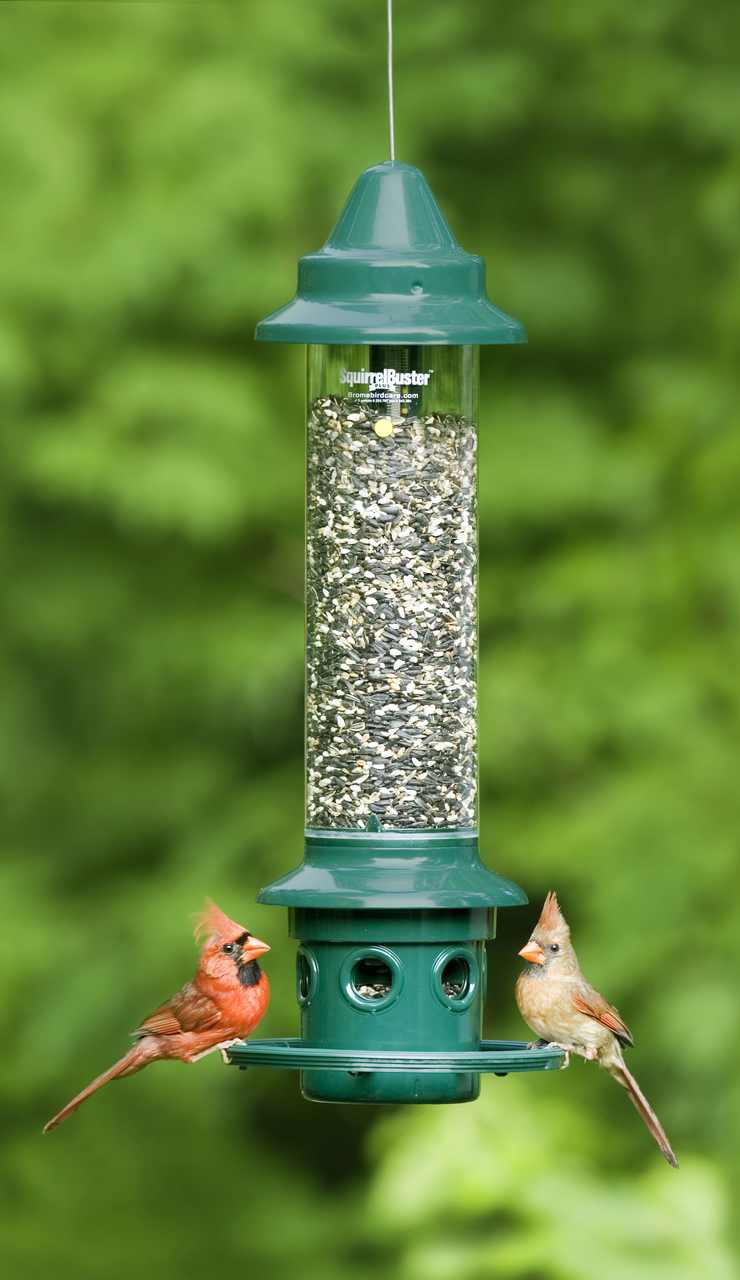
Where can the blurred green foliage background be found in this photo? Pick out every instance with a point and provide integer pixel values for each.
(163, 165)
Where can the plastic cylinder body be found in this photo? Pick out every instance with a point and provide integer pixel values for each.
(391, 576)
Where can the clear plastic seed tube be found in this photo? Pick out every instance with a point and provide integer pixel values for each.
(391, 588)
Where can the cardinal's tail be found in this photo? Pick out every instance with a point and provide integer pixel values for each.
(136, 1058)
(628, 1082)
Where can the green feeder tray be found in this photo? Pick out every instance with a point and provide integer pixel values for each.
(391, 1077)
(392, 905)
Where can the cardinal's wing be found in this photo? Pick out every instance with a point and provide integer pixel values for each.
(189, 1010)
(588, 1001)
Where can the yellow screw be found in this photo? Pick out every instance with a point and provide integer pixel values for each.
(383, 427)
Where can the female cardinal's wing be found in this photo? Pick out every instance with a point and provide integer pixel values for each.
(189, 1010)
(588, 1001)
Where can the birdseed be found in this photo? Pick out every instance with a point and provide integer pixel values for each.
(391, 619)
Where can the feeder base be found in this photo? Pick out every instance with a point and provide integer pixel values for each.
(390, 1086)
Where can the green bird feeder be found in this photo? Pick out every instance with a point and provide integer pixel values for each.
(392, 904)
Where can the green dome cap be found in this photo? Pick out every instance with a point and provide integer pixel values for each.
(391, 272)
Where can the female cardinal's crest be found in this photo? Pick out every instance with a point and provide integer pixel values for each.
(552, 917)
(212, 923)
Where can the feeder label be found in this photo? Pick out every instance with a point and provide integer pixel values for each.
(389, 378)
(383, 387)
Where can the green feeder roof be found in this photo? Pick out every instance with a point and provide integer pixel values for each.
(391, 272)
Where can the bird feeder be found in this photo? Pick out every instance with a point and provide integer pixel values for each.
(392, 905)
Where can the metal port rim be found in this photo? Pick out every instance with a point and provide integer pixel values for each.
(497, 1056)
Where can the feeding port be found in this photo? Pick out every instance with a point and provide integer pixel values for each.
(456, 978)
(371, 978)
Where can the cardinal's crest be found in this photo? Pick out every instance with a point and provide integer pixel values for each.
(552, 917)
(212, 923)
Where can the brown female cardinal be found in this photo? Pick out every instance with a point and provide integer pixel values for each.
(223, 1003)
(559, 1005)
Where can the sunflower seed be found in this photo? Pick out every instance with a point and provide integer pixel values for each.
(391, 620)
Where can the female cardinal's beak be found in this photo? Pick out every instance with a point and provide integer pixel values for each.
(254, 948)
(533, 952)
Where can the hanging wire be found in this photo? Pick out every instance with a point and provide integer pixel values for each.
(390, 80)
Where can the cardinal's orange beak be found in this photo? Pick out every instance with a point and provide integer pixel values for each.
(533, 952)
(254, 948)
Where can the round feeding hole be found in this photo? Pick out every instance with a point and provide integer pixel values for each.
(306, 976)
(372, 978)
(456, 978)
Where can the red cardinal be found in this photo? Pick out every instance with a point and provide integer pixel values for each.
(223, 1003)
(556, 1001)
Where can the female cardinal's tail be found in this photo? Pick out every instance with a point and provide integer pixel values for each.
(628, 1082)
(138, 1057)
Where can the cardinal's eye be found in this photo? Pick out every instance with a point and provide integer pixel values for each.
(228, 949)
(554, 946)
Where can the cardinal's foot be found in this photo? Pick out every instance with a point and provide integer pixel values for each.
(537, 1044)
(589, 1053)
(567, 1049)
(228, 1044)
